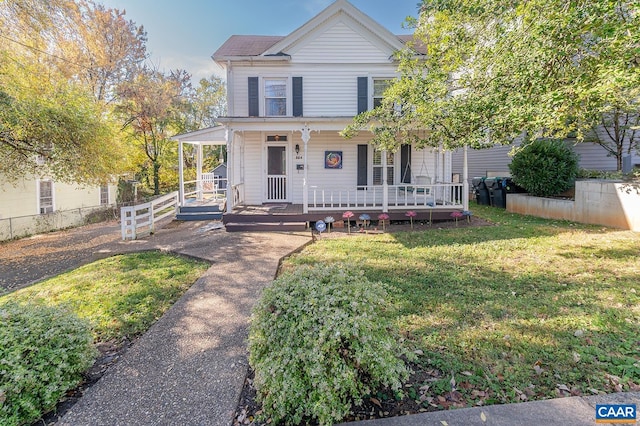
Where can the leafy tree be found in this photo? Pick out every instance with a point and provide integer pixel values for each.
(57, 60)
(153, 106)
(56, 120)
(208, 102)
(497, 68)
(109, 48)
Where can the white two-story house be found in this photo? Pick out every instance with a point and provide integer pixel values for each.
(289, 97)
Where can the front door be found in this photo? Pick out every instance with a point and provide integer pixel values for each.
(276, 173)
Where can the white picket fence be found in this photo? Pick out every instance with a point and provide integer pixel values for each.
(142, 219)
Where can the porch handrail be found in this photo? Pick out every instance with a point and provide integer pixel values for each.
(218, 186)
(432, 196)
(134, 219)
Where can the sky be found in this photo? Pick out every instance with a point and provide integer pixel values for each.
(185, 33)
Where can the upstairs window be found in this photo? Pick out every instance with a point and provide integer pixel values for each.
(379, 87)
(275, 97)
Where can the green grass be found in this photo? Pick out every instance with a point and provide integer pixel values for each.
(515, 311)
(120, 296)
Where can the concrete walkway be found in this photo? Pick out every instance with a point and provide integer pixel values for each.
(189, 368)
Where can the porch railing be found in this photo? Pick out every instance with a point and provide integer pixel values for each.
(136, 220)
(396, 197)
(208, 184)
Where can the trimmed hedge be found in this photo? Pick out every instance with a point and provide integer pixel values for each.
(319, 342)
(544, 167)
(43, 353)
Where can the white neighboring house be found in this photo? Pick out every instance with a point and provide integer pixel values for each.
(288, 99)
(32, 205)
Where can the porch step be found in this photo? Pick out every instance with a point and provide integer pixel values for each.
(200, 209)
(266, 226)
(193, 213)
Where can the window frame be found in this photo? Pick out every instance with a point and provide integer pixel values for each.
(390, 168)
(50, 207)
(104, 191)
(286, 97)
(379, 97)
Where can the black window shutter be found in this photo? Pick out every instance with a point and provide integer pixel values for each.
(362, 165)
(405, 163)
(297, 96)
(363, 95)
(254, 97)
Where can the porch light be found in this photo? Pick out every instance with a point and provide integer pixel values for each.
(297, 148)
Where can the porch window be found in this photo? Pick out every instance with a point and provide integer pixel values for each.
(275, 97)
(378, 168)
(45, 196)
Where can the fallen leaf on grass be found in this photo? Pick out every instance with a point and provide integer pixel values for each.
(376, 402)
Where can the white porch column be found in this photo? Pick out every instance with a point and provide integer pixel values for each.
(230, 171)
(181, 173)
(306, 137)
(465, 180)
(199, 186)
(385, 184)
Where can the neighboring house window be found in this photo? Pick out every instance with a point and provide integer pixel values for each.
(378, 168)
(275, 97)
(379, 86)
(104, 195)
(45, 196)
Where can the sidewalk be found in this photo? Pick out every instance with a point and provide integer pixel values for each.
(573, 411)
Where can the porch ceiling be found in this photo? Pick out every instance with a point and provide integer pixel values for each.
(210, 136)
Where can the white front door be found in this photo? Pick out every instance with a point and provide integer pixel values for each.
(276, 173)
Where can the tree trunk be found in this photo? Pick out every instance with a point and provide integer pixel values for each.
(156, 178)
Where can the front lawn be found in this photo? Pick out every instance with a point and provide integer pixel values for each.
(527, 309)
(120, 296)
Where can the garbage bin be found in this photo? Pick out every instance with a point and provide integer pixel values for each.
(480, 190)
(497, 191)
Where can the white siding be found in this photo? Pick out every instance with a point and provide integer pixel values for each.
(328, 90)
(343, 42)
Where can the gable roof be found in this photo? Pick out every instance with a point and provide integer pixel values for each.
(246, 45)
(255, 46)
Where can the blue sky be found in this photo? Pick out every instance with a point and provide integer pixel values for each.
(185, 33)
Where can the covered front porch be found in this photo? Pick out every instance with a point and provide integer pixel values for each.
(281, 162)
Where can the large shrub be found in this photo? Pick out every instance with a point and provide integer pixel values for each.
(43, 353)
(319, 342)
(544, 167)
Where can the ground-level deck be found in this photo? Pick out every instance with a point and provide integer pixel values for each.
(291, 217)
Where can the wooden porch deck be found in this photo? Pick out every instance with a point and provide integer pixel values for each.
(291, 217)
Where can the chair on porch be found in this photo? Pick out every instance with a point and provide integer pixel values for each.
(422, 191)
